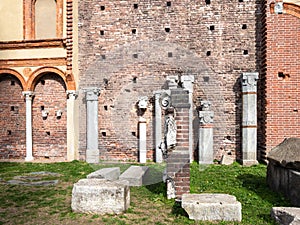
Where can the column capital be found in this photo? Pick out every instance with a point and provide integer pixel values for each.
(72, 94)
(92, 93)
(249, 82)
(206, 117)
(28, 94)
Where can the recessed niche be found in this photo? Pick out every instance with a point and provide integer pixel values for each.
(105, 107)
(133, 31)
(102, 7)
(241, 0)
(135, 56)
(8, 132)
(212, 27)
(169, 3)
(105, 81)
(170, 54)
(244, 26)
(228, 137)
(48, 133)
(103, 56)
(43, 82)
(12, 108)
(134, 80)
(42, 107)
(103, 134)
(12, 83)
(208, 53)
(245, 52)
(207, 2)
(167, 29)
(101, 32)
(206, 79)
(135, 6)
(133, 133)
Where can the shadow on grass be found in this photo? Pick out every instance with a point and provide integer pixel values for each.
(177, 210)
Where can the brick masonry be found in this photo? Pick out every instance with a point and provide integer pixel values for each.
(128, 48)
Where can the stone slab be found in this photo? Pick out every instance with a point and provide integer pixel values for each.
(99, 196)
(226, 160)
(134, 175)
(212, 207)
(112, 173)
(286, 215)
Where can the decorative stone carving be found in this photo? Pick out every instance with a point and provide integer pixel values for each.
(170, 132)
(172, 82)
(71, 94)
(92, 93)
(249, 82)
(206, 116)
(143, 102)
(165, 100)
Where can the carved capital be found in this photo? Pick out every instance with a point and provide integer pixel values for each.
(205, 105)
(72, 94)
(28, 95)
(143, 101)
(92, 93)
(249, 82)
(206, 117)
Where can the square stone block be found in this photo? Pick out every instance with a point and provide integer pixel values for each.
(112, 173)
(99, 196)
(134, 175)
(212, 207)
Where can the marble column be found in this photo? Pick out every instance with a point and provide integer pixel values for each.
(92, 151)
(249, 119)
(188, 84)
(28, 97)
(206, 137)
(71, 130)
(157, 126)
(142, 104)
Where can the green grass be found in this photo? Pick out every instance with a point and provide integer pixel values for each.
(35, 205)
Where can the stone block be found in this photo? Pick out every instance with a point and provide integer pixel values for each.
(106, 173)
(99, 196)
(226, 160)
(134, 175)
(212, 207)
(286, 215)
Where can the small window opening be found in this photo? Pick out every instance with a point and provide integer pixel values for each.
(135, 6)
(245, 52)
(42, 107)
(105, 107)
(208, 53)
(241, 0)
(101, 32)
(212, 27)
(102, 7)
(207, 2)
(169, 4)
(133, 133)
(48, 133)
(12, 83)
(103, 133)
(9, 132)
(43, 82)
(133, 31)
(170, 54)
(134, 80)
(167, 29)
(12, 108)
(135, 56)
(244, 26)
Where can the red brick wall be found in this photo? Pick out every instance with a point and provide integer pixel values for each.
(49, 135)
(282, 78)
(12, 119)
(117, 42)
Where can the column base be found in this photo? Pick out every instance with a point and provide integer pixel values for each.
(29, 158)
(92, 156)
(249, 162)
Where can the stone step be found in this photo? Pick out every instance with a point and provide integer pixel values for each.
(212, 207)
(112, 173)
(135, 175)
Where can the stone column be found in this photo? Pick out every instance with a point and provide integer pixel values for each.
(28, 97)
(71, 131)
(188, 84)
(157, 125)
(92, 151)
(249, 119)
(206, 151)
(142, 129)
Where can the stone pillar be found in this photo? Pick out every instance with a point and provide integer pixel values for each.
(28, 97)
(92, 151)
(188, 84)
(71, 131)
(157, 126)
(206, 151)
(249, 119)
(142, 130)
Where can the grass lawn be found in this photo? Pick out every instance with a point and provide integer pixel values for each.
(52, 204)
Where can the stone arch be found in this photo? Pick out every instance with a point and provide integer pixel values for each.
(39, 72)
(288, 8)
(15, 74)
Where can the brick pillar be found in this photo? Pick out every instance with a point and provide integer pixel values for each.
(178, 161)
(249, 122)
(92, 151)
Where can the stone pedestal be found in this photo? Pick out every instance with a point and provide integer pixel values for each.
(71, 131)
(28, 98)
(92, 151)
(142, 140)
(249, 120)
(99, 196)
(206, 151)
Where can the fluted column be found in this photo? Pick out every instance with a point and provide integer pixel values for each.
(28, 98)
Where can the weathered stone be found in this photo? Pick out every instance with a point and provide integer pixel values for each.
(134, 175)
(286, 215)
(212, 207)
(106, 173)
(287, 154)
(226, 160)
(283, 172)
(99, 196)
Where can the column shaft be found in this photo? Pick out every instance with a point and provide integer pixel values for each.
(28, 97)
(71, 137)
(158, 135)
